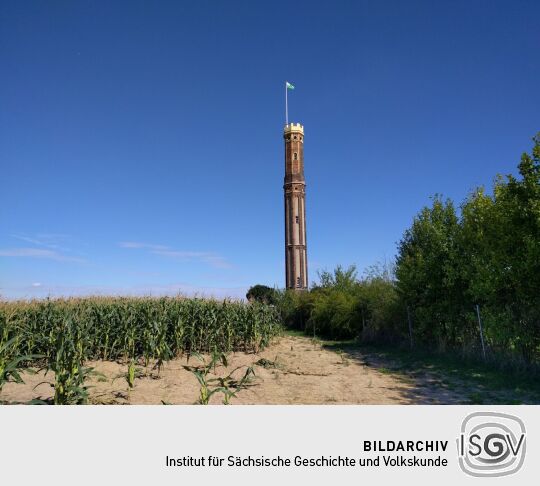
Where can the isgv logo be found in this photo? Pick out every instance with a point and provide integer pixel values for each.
(491, 444)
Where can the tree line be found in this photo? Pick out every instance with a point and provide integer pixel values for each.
(484, 252)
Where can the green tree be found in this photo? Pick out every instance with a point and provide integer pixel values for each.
(427, 271)
(489, 256)
(501, 236)
(262, 294)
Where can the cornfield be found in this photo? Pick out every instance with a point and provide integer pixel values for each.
(128, 329)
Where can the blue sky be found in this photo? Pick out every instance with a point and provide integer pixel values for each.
(141, 142)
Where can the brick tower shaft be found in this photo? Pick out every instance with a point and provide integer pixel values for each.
(296, 275)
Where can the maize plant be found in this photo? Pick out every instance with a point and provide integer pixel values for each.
(227, 385)
(162, 350)
(67, 363)
(130, 356)
(10, 364)
(65, 333)
(11, 359)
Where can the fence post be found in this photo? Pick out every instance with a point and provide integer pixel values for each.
(410, 327)
(481, 331)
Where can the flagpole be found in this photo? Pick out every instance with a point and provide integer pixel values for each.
(286, 106)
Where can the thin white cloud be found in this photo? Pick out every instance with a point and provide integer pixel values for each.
(179, 254)
(131, 244)
(38, 253)
(146, 246)
(209, 258)
(45, 240)
(55, 236)
(44, 290)
(36, 284)
(217, 261)
(34, 241)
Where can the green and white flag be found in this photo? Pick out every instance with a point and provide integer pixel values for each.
(288, 86)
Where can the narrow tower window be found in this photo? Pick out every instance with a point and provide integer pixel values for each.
(297, 219)
(295, 156)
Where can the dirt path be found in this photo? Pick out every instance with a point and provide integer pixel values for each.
(298, 371)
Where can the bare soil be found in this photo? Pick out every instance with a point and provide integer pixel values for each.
(298, 371)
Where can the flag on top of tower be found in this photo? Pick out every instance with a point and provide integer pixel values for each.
(288, 86)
